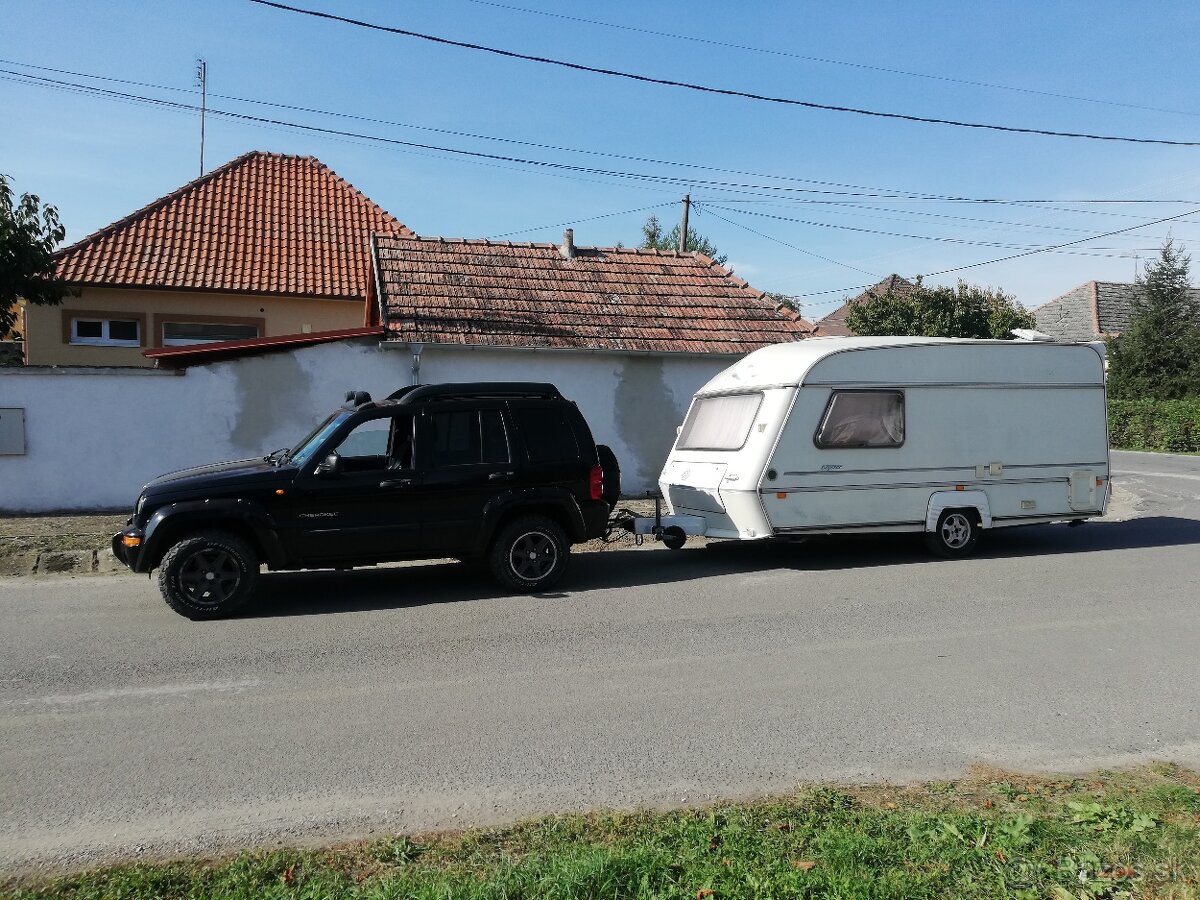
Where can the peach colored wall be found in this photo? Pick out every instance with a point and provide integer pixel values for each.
(278, 315)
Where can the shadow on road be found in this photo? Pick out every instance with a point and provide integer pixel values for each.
(320, 593)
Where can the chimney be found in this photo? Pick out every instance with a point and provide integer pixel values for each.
(568, 245)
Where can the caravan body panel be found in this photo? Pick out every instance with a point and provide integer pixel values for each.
(861, 433)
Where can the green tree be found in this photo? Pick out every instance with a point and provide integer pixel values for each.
(1158, 356)
(29, 232)
(653, 238)
(965, 310)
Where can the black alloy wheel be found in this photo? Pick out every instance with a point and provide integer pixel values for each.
(530, 554)
(208, 575)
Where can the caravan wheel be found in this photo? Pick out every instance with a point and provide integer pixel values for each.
(956, 535)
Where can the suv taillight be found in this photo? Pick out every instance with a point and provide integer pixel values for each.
(596, 483)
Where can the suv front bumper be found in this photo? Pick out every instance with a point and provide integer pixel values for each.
(127, 545)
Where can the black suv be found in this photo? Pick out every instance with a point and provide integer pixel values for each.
(503, 473)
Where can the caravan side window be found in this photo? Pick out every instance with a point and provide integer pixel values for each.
(719, 423)
(862, 419)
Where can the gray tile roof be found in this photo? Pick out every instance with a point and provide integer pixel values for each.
(1091, 311)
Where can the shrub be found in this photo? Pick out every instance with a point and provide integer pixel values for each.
(1171, 426)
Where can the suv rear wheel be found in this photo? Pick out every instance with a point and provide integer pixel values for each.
(530, 554)
(208, 575)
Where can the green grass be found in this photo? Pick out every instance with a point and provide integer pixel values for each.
(995, 834)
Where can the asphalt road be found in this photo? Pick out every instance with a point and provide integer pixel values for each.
(422, 697)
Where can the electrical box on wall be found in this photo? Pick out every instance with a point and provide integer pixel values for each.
(12, 431)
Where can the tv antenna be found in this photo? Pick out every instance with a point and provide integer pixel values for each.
(202, 83)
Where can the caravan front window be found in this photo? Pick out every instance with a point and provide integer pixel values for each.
(862, 419)
(719, 423)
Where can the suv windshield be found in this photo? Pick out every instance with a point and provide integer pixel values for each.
(307, 447)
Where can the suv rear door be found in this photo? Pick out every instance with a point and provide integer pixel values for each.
(465, 454)
(555, 449)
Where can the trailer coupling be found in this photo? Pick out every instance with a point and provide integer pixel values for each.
(673, 531)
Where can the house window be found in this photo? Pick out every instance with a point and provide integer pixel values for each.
(862, 419)
(181, 334)
(107, 332)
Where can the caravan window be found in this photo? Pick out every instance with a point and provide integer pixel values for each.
(719, 423)
(862, 419)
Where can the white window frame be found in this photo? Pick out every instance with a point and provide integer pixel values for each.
(104, 340)
(186, 342)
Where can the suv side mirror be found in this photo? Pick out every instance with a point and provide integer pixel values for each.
(330, 465)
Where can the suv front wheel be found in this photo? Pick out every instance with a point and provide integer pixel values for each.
(530, 554)
(208, 575)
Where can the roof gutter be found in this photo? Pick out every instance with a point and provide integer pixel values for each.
(595, 351)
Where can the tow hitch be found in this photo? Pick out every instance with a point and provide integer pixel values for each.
(673, 531)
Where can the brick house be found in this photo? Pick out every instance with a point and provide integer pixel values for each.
(267, 244)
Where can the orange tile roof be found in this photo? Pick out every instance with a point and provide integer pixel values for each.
(435, 290)
(264, 223)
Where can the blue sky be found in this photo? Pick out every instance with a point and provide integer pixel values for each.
(1133, 69)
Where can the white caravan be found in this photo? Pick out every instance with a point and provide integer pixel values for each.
(892, 434)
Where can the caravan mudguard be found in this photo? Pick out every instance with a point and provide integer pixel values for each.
(940, 501)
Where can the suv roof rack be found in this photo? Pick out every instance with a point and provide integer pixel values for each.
(531, 389)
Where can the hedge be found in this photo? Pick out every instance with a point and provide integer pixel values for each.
(1171, 426)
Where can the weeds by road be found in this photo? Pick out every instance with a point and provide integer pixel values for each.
(1133, 834)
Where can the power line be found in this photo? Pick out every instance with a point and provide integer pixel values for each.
(708, 208)
(624, 212)
(918, 237)
(1060, 246)
(867, 191)
(828, 61)
(726, 92)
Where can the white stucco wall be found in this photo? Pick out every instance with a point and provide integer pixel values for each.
(95, 436)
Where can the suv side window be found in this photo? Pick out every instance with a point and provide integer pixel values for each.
(378, 444)
(466, 437)
(549, 435)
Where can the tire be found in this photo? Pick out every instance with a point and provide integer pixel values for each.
(208, 575)
(956, 535)
(612, 474)
(529, 554)
(674, 537)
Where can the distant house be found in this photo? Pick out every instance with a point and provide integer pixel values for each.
(267, 244)
(834, 324)
(1091, 312)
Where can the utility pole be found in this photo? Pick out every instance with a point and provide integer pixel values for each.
(202, 80)
(687, 204)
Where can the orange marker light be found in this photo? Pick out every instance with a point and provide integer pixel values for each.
(130, 540)
(960, 487)
(1099, 482)
(280, 492)
(781, 495)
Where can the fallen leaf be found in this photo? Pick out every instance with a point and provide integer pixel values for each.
(705, 892)
(715, 842)
(1000, 856)
(1124, 872)
(289, 874)
(988, 804)
(728, 861)
(1022, 798)
(1096, 786)
(803, 864)
(784, 826)
(889, 805)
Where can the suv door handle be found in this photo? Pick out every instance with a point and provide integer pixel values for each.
(497, 476)
(395, 483)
